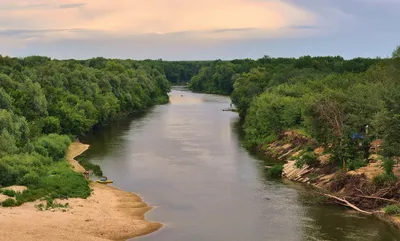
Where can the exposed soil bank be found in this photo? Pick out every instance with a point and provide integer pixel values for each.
(108, 214)
(355, 187)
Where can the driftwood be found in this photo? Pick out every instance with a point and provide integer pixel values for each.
(346, 203)
(378, 198)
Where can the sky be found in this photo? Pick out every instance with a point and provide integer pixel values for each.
(198, 29)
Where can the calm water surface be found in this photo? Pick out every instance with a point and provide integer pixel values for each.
(186, 159)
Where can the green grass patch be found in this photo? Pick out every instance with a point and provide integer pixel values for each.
(51, 204)
(301, 131)
(392, 209)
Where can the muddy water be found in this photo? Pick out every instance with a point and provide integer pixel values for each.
(186, 159)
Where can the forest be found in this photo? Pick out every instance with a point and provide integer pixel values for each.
(341, 104)
(45, 103)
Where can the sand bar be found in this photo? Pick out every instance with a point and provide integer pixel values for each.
(108, 214)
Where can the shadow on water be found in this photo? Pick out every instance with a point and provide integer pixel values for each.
(186, 158)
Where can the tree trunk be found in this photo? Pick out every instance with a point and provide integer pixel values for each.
(341, 154)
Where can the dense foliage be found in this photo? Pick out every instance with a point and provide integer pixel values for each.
(342, 104)
(44, 102)
(250, 77)
(179, 72)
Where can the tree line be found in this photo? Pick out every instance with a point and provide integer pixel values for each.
(339, 103)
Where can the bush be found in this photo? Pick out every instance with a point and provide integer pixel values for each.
(387, 165)
(65, 183)
(60, 181)
(384, 179)
(392, 209)
(355, 164)
(275, 171)
(53, 146)
(30, 195)
(10, 193)
(9, 202)
(21, 169)
(308, 158)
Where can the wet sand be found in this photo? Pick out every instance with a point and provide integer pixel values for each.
(108, 214)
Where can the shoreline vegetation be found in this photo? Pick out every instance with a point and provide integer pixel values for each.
(334, 123)
(107, 214)
(45, 104)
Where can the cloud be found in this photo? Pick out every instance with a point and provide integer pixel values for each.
(304, 27)
(74, 5)
(211, 19)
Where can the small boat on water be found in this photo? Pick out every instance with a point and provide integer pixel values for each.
(104, 180)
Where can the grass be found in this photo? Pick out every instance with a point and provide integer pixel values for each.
(392, 209)
(50, 204)
(301, 131)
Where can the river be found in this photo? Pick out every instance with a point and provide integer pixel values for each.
(186, 159)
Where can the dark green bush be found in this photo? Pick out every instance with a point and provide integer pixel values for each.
(9, 202)
(10, 193)
(355, 164)
(275, 171)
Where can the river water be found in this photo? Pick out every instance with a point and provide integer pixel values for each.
(186, 159)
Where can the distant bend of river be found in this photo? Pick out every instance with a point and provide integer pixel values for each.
(185, 158)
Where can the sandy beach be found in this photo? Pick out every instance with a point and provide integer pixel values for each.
(108, 214)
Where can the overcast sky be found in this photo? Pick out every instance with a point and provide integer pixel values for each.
(198, 29)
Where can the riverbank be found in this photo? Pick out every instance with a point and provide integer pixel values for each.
(108, 214)
(307, 163)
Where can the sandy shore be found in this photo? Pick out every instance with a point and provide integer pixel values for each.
(108, 214)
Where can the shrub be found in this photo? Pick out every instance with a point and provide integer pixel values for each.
(30, 195)
(384, 179)
(65, 183)
(20, 169)
(387, 165)
(9, 202)
(10, 193)
(53, 146)
(392, 209)
(355, 164)
(308, 158)
(275, 171)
